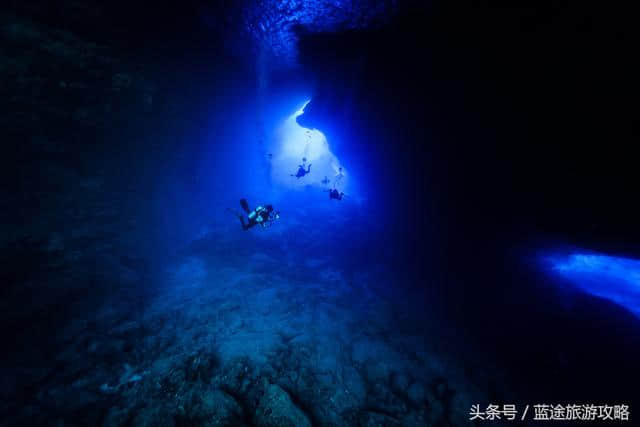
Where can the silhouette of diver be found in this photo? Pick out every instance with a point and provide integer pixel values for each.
(325, 181)
(263, 215)
(302, 171)
(335, 194)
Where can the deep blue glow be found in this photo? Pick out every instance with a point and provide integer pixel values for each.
(614, 278)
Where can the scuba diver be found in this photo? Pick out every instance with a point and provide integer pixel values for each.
(325, 181)
(335, 194)
(301, 170)
(263, 215)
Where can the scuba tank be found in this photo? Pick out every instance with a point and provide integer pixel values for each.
(255, 215)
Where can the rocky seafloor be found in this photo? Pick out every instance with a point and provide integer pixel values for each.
(264, 338)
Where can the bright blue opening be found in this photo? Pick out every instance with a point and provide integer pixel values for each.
(614, 278)
(296, 145)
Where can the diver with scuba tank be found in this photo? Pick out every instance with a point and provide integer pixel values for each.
(263, 215)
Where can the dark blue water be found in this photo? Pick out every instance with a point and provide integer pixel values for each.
(482, 252)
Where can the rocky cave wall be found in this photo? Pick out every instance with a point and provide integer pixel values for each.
(87, 126)
(491, 146)
(515, 115)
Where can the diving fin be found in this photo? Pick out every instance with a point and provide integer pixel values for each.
(245, 205)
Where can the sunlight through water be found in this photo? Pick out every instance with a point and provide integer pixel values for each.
(298, 146)
(614, 278)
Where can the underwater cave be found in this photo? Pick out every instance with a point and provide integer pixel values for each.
(318, 213)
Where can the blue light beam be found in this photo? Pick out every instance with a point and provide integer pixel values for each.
(292, 144)
(614, 278)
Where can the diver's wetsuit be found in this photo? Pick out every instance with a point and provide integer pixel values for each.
(302, 172)
(334, 194)
(263, 215)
